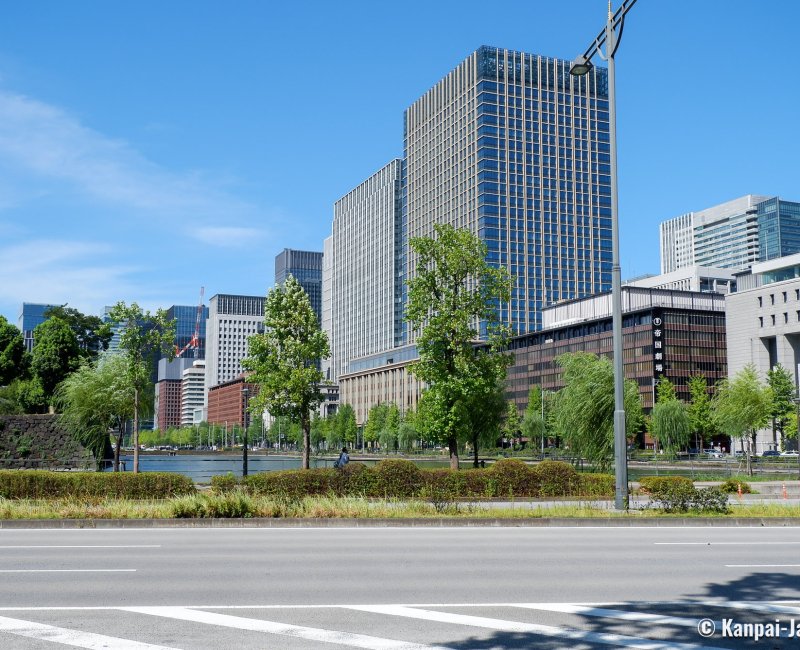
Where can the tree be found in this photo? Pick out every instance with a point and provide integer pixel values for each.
(585, 406)
(699, 410)
(533, 421)
(407, 431)
(55, 353)
(96, 399)
(782, 406)
(345, 425)
(142, 335)
(13, 357)
(671, 424)
(284, 360)
(453, 299)
(742, 407)
(387, 437)
(484, 415)
(512, 424)
(92, 334)
(376, 419)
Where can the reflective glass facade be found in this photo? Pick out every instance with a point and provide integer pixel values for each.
(306, 268)
(778, 228)
(185, 317)
(514, 148)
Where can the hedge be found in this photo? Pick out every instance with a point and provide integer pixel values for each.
(397, 478)
(657, 484)
(42, 484)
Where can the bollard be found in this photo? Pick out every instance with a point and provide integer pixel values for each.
(739, 491)
(785, 496)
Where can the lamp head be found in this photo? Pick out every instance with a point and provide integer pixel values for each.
(580, 66)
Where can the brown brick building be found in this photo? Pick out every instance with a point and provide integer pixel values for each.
(226, 403)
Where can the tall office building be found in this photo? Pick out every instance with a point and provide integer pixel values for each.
(306, 268)
(232, 320)
(185, 317)
(32, 315)
(167, 403)
(512, 147)
(364, 269)
(735, 234)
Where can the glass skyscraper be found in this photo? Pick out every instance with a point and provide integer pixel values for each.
(514, 148)
(306, 268)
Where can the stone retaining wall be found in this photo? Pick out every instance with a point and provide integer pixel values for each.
(39, 442)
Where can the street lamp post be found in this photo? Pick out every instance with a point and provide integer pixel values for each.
(245, 413)
(610, 36)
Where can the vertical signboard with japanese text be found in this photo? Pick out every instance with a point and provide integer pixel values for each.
(659, 359)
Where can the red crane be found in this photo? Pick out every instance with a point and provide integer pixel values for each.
(194, 342)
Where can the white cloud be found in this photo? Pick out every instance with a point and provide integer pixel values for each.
(47, 142)
(49, 271)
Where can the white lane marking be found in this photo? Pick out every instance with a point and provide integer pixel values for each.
(72, 637)
(532, 628)
(67, 570)
(600, 612)
(90, 546)
(723, 543)
(284, 629)
(757, 566)
(775, 606)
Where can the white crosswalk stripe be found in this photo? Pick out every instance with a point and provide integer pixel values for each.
(617, 614)
(301, 632)
(646, 630)
(73, 638)
(534, 628)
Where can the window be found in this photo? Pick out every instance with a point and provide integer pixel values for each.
(760, 302)
(773, 319)
(772, 299)
(785, 317)
(761, 320)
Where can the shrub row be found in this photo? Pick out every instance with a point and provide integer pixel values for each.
(40, 484)
(397, 478)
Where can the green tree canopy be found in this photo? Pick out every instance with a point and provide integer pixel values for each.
(92, 334)
(55, 353)
(376, 420)
(585, 406)
(699, 410)
(141, 336)
(782, 405)
(742, 406)
(534, 420)
(95, 399)
(13, 358)
(483, 419)
(345, 425)
(671, 424)
(452, 300)
(284, 359)
(512, 423)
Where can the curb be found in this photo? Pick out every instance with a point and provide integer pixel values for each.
(544, 522)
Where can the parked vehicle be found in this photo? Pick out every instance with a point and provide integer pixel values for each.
(770, 452)
(713, 453)
(790, 454)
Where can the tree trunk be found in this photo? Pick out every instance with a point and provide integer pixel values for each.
(452, 444)
(475, 462)
(749, 453)
(135, 430)
(118, 446)
(306, 424)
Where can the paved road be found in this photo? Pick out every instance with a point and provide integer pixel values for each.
(392, 588)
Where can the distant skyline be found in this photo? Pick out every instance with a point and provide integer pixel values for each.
(147, 149)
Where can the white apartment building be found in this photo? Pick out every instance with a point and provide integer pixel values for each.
(232, 320)
(193, 393)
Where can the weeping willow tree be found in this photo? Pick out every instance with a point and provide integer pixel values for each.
(584, 409)
(95, 400)
(671, 423)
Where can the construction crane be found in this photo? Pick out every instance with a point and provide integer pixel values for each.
(194, 342)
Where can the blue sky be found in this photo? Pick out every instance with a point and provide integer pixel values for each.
(148, 148)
